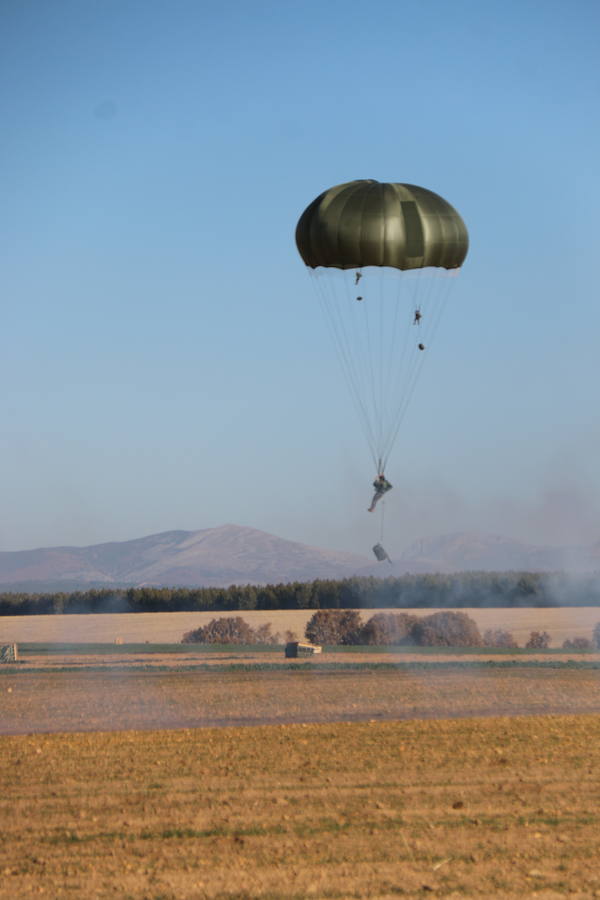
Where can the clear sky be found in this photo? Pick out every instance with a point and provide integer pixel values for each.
(164, 363)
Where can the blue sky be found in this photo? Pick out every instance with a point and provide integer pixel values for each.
(163, 361)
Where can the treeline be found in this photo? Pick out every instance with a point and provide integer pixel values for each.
(461, 590)
(446, 628)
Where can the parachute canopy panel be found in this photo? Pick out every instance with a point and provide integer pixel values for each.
(372, 223)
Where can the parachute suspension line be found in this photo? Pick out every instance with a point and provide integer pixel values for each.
(398, 364)
(355, 311)
(336, 322)
(381, 520)
(327, 297)
(359, 317)
(380, 374)
(370, 358)
(434, 319)
(398, 361)
(381, 362)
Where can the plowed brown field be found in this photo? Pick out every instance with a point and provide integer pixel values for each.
(476, 808)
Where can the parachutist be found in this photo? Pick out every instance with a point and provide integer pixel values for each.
(418, 317)
(357, 277)
(421, 346)
(382, 486)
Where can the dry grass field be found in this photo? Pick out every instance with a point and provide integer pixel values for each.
(560, 623)
(476, 808)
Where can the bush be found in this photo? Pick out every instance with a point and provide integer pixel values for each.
(538, 640)
(446, 629)
(334, 626)
(230, 630)
(497, 637)
(578, 643)
(385, 629)
(597, 636)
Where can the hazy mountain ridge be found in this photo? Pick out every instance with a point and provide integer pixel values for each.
(232, 554)
(228, 554)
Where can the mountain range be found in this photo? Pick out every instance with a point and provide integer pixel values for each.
(232, 554)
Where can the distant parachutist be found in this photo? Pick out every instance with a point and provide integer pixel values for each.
(418, 317)
(357, 277)
(382, 486)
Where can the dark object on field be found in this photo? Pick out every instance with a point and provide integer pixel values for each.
(230, 630)
(388, 629)
(297, 648)
(596, 636)
(538, 640)
(8, 653)
(578, 643)
(498, 637)
(380, 553)
(334, 626)
(446, 629)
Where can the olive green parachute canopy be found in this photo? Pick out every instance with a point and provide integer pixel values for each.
(372, 223)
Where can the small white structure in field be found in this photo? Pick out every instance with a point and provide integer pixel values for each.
(298, 648)
(8, 653)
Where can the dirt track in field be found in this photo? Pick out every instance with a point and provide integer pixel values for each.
(275, 658)
(118, 699)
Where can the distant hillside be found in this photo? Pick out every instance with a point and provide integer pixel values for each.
(217, 557)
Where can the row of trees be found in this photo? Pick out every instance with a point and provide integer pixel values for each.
(460, 590)
(346, 627)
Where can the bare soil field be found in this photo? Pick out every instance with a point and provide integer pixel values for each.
(168, 627)
(482, 808)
